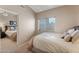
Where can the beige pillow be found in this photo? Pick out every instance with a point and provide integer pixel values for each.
(66, 33)
(70, 31)
(67, 38)
(74, 33)
(75, 38)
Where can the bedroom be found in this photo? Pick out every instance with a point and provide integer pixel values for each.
(63, 18)
(8, 30)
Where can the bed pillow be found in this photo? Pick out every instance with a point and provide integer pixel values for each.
(63, 35)
(74, 33)
(66, 33)
(75, 38)
(67, 38)
(71, 36)
(70, 31)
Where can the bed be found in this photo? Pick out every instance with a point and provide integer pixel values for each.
(11, 34)
(53, 43)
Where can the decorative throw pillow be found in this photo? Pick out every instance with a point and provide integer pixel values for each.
(66, 33)
(70, 37)
(74, 33)
(70, 31)
(67, 38)
(63, 35)
(76, 37)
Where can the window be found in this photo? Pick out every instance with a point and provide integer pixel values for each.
(52, 20)
(47, 24)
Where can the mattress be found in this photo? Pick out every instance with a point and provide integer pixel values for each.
(52, 42)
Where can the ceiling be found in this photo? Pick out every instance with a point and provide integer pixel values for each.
(35, 8)
(5, 12)
(40, 8)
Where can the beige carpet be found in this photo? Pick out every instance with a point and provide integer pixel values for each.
(7, 45)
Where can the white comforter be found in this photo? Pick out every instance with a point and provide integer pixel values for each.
(52, 42)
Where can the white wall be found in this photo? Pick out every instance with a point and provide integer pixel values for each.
(26, 22)
(1, 22)
(76, 9)
(6, 19)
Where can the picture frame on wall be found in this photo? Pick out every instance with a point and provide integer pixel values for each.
(12, 23)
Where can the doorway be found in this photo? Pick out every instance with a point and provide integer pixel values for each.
(8, 31)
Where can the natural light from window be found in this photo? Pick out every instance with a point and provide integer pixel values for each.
(47, 24)
(52, 20)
